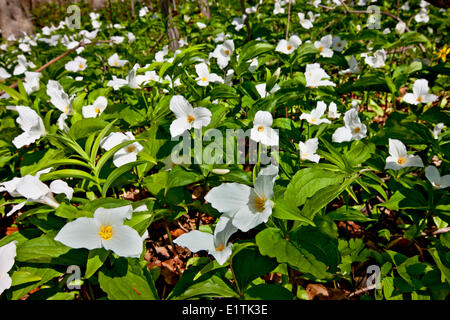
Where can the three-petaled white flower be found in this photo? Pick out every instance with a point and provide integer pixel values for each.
(126, 154)
(7, 257)
(30, 123)
(96, 109)
(78, 64)
(247, 207)
(187, 117)
(114, 61)
(315, 117)
(422, 16)
(324, 46)
(305, 23)
(308, 150)
(288, 46)
(34, 190)
(315, 76)
(353, 129)
(261, 88)
(31, 83)
(338, 43)
(332, 111)
(420, 93)
(353, 66)
(105, 230)
(204, 76)
(217, 245)
(223, 53)
(435, 178)
(399, 157)
(377, 60)
(262, 131)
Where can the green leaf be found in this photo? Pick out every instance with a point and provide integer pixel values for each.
(96, 258)
(268, 292)
(20, 277)
(116, 173)
(248, 265)
(12, 93)
(127, 281)
(93, 152)
(179, 177)
(253, 49)
(45, 275)
(67, 173)
(41, 249)
(287, 210)
(272, 243)
(85, 127)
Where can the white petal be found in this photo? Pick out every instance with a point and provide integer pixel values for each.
(32, 188)
(269, 137)
(202, 117)
(80, 233)
(110, 216)
(432, 174)
(196, 241)
(7, 255)
(229, 197)
(410, 98)
(397, 149)
(121, 159)
(180, 106)
(5, 282)
(263, 118)
(342, 134)
(413, 161)
(59, 186)
(179, 126)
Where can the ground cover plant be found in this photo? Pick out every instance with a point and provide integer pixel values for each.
(274, 150)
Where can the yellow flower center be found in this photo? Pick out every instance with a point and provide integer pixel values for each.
(130, 148)
(204, 79)
(313, 120)
(419, 99)
(200, 15)
(116, 64)
(106, 232)
(260, 129)
(67, 109)
(96, 110)
(220, 248)
(227, 52)
(320, 48)
(401, 160)
(190, 119)
(259, 203)
(289, 47)
(80, 66)
(357, 130)
(339, 44)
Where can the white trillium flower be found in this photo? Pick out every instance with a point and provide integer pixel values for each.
(22, 65)
(34, 190)
(204, 77)
(437, 130)
(4, 74)
(126, 154)
(30, 123)
(420, 93)
(262, 131)
(96, 109)
(105, 230)
(261, 88)
(332, 111)
(400, 27)
(338, 43)
(353, 66)
(305, 23)
(315, 117)
(201, 25)
(58, 97)
(223, 53)
(308, 150)
(78, 64)
(117, 83)
(114, 61)
(278, 9)
(253, 64)
(435, 178)
(422, 16)
(117, 39)
(324, 46)
(399, 157)
(131, 37)
(287, 47)
(221, 37)
(7, 257)
(377, 60)
(143, 12)
(217, 245)
(247, 207)
(314, 76)
(187, 117)
(353, 129)
(31, 83)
